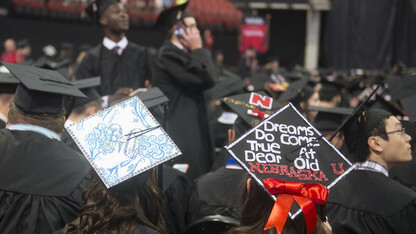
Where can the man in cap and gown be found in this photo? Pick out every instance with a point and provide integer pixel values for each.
(183, 71)
(41, 179)
(120, 63)
(367, 200)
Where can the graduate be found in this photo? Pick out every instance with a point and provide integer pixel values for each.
(42, 179)
(183, 71)
(367, 200)
(120, 63)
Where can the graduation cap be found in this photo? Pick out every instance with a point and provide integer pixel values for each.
(22, 43)
(329, 119)
(87, 86)
(150, 97)
(252, 107)
(8, 83)
(41, 90)
(122, 143)
(403, 89)
(289, 158)
(97, 7)
(228, 86)
(296, 89)
(170, 16)
(67, 46)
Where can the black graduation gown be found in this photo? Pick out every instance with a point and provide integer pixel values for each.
(130, 69)
(183, 77)
(2, 124)
(41, 183)
(176, 189)
(217, 192)
(370, 202)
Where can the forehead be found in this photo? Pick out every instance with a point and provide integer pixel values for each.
(189, 21)
(392, 122)
(113, 7)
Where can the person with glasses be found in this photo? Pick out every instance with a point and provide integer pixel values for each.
(367, 200)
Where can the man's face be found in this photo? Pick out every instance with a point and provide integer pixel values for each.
(190, 23)
(115, 18)
(397, 148)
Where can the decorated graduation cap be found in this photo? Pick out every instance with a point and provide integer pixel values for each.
(41, 90)
(122, 143)
(252, 107)
(297, 89)
(293, 162)
(170, 16)
(8, 83)
(329, 119)
(88, 87)
(97, 8)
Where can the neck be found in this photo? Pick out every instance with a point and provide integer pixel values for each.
(378, 159)
(5, 100)
(116, 37)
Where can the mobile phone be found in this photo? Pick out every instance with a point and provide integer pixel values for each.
(178, 32)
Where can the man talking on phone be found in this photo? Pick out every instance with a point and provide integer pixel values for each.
(183, 71)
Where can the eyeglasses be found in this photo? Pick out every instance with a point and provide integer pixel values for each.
(402, 131)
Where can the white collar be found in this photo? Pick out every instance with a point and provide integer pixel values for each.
(180, 46)
(371, 166)
(109, 44)
(2, 117)
(33, 128)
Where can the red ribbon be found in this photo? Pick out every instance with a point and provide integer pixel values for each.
(304, 194)
(259, 113)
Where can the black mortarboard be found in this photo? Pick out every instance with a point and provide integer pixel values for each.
(404, 90)
(296, 89)
(170, 16)
(8, 83)
(391, 106)
(285, 152)
(150, 97)
(87, 86)
(329, 119)
(98, 7)
(252, 107)
(84, 47)
(41, 90)
(228, 86)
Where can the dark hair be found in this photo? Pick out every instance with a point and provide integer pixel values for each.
(363, 149)
(108, 211)
(255, 211)
(53, 122)
(328, 92)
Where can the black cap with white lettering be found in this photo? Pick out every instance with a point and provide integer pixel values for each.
(287, 150)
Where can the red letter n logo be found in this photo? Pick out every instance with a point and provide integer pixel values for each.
(258, 100)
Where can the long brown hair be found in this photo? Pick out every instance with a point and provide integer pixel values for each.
(108, 211)
(255, 210)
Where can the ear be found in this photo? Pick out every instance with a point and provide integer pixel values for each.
(375, 144)
(231, 136)
(103, 21)
(248, 184)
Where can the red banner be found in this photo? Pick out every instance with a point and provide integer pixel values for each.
(253, 35)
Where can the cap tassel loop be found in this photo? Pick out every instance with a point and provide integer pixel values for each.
(304, 194)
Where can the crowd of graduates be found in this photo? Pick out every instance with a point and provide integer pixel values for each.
(47, 185)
